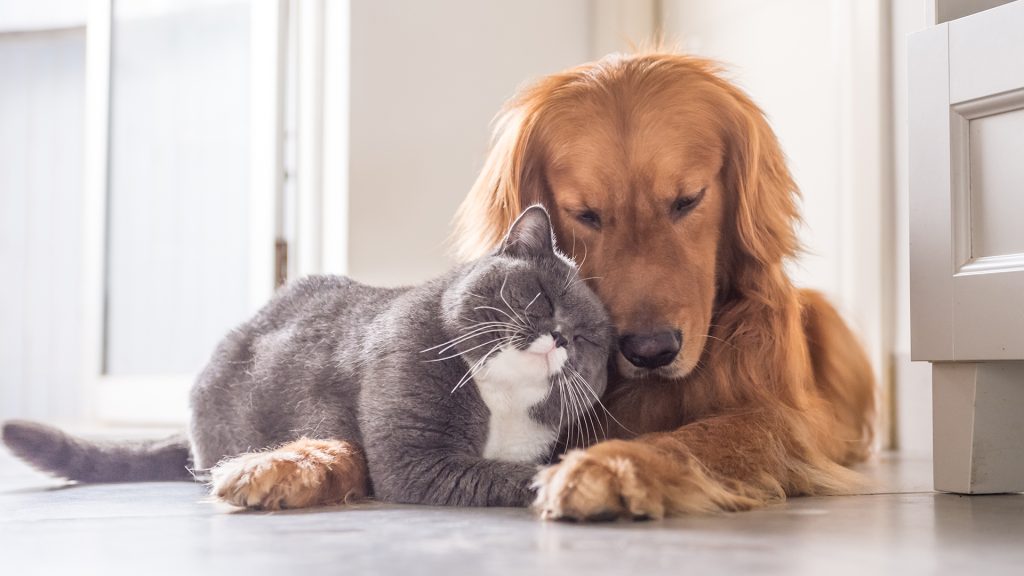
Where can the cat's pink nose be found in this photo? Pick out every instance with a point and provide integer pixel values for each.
(560, 341)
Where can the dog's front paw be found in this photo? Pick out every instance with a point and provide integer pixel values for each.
(300, 474)
(635, 479)
(597, 485)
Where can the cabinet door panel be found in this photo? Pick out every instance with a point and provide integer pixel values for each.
(967, 181)
(997, 180)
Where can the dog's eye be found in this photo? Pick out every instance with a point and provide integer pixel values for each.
(589, 218)
(684, 204)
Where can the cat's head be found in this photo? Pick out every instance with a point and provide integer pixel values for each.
(525, 308)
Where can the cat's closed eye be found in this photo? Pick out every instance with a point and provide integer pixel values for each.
(540, 306)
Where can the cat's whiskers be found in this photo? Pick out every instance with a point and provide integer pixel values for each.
(573, 251)
(569, 422)
(456, 355)
(566, 408)
(479, 364)
(597, 399)
(509, 325)
(561, 408)
(452, 343)
(588, 411)
(480, 327)
(473, 369)
(591, 425)
(578, 280)
(582, 411)
(501, 294)
(506, 314)
(576, 430)
(469, 333)
(512, 335)
(531, 302)
(572, 255)
(576, 271)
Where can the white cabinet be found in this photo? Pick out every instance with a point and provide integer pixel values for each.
(966, 115)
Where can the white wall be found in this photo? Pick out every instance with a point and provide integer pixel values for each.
(426, 79)
(41, 121)
(913, 400)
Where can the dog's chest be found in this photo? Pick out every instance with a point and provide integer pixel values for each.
(511, 384)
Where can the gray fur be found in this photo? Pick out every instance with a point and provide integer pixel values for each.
(332, 358)
(54, 451)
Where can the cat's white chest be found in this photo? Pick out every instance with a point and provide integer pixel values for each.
(510, 384)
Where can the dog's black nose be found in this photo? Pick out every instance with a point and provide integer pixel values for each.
(651, 349)
(560, 340)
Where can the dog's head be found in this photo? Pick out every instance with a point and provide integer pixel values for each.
(663, 180)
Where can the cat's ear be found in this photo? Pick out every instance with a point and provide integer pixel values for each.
(530, 234)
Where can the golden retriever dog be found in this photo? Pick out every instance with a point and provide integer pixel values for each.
(731, 387)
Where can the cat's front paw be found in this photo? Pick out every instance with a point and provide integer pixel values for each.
(297, 475)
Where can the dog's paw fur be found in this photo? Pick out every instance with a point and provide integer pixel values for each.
(297, 475)
(583, 487)
(621, 479)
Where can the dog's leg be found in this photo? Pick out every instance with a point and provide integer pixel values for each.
(731, 462)
(299, 474)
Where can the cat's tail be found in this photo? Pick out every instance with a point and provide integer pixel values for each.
(67, 456)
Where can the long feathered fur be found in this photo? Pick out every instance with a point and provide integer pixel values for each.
(783, 396)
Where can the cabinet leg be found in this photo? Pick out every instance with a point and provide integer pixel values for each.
(978, 420)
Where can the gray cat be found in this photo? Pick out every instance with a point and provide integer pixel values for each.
(455, 389)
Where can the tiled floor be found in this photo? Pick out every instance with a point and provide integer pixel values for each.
(143, 529)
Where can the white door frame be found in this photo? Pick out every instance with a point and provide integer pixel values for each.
(322, 61)
(163, 399)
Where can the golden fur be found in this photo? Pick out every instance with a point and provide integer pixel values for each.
(771, 394)
(297, 475)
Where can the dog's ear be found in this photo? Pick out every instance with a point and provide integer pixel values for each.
(762, 193)
(511, 178)
(530, 235)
